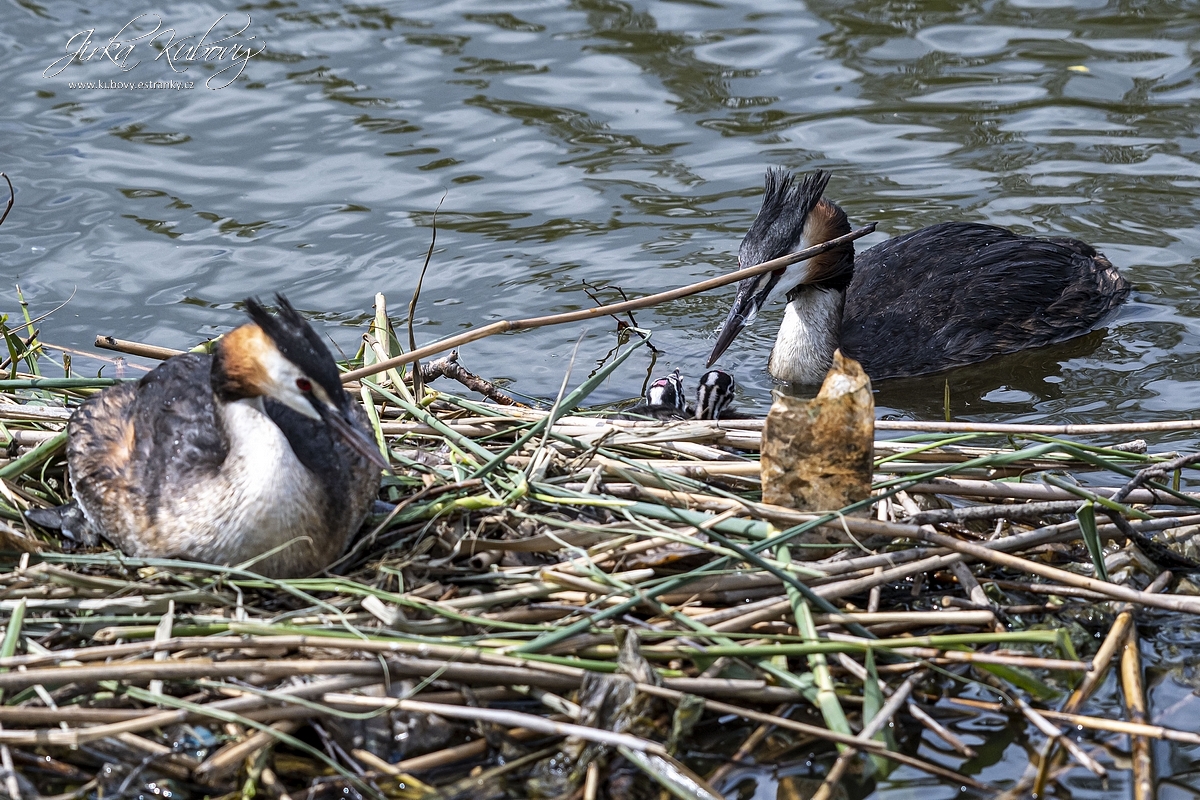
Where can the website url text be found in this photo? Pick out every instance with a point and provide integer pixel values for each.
(130, 85)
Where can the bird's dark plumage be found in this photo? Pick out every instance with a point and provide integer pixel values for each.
(663, 400)
(958, 293)
(941, 297)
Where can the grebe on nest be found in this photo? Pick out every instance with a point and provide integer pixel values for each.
(939, 297)
(714, 396)
(663, 400)
(223, 458)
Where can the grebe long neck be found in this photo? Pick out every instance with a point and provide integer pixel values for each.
(810, 332)
(259, 499)
(255, 441)
(795, 216)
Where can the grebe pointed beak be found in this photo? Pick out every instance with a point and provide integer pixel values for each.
(752, 295)
(357, 440)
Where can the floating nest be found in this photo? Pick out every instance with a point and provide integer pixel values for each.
(557, 604)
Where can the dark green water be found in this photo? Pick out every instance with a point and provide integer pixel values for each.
(615, 145)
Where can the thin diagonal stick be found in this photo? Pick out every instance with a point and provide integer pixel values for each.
(505, 326)
(12, 196)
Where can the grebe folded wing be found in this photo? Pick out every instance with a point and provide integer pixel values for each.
(958, 293)
(129, 444)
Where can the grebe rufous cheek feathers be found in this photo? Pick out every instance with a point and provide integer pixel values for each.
(940, 297)
(306, 379)
(222, 459)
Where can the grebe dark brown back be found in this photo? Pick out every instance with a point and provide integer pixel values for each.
(940, 297)
(223, 458)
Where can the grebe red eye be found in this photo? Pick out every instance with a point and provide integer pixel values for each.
(303, 385)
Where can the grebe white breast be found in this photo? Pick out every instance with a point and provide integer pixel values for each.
(223, 458)
(940, 297)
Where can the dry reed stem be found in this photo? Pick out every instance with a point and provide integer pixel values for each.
(871, 746)
(136, 348)
(439, 758)
(878, 723)
(510, 718)
(272, 784)
(75, 737)
(746, 748)
(1093, 723)
(1135, 706)
(939, 730)
(1055, 735)
(1032, 491)
(1045, 430)
(1189, 605)
(1024, 662)
(229, 758)
(1111, 645)
(935, 426)
(506, 326)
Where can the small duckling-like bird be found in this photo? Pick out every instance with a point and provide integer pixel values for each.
(715, 395)
(663, 400)
(224, 458)
(940, 297)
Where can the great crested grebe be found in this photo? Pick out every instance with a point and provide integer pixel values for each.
(223, 458)
(663, 399)
(939, 297)
(714, 396)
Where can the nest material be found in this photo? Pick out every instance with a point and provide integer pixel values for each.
(477, 623)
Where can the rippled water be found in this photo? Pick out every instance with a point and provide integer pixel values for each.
(604, 144)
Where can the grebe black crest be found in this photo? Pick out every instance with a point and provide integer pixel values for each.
(940, 297)
(224, 458)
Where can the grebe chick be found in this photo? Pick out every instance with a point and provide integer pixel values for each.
(663, 400)
(714, 396)
(939, 297)
(223, 458)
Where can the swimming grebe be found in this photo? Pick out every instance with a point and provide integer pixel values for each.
(939, 297)
(223, 458)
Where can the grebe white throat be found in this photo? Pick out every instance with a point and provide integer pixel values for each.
(804, 346)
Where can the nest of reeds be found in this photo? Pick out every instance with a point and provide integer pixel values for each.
(559, 604)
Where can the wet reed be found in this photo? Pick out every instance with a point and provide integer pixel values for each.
(554, 600)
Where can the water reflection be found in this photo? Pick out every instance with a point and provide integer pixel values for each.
(603, 140)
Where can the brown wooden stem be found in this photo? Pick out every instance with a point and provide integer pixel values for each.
(505, 326)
